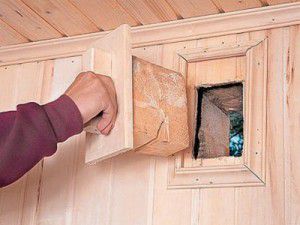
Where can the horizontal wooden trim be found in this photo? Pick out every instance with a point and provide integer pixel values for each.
(196, 186)
(175, 31)
(213, 169)
(239, 177)
(203, 54)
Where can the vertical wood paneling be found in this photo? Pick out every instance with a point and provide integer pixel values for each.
(168, 202)
(152, 54)
(250, 206)
(92, 192)
(130, 189)
(11, 197)
(33, 178)
(266, 205)
(19, 84)
(249, 202)
(274, 192)
(58, 177)
(224, 70)
(292, 120)
(170, 207)
(217, 206)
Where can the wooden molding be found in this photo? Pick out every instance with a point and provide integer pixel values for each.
(249, 170)
(175, 31)
(203, 54)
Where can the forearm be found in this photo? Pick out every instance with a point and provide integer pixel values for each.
(32, 132)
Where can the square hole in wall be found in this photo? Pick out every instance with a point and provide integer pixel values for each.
(219, 121)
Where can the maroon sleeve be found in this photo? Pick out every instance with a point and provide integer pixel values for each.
(32, 132)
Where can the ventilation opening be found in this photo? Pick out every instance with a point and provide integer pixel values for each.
(219, 121)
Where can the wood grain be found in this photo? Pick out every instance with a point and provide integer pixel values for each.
(170, 32)
(120, 139)
(20, 84)
(26, 22)
(54, 12)
(160, 112)
(9, 36)
(292, 116)
(81, 194)
(147, 12)
(44, 20)
(211, 208)
(275, 184)
(56, 196)
(192, 8)
(235, 5)
(106, 14)
(162, 196)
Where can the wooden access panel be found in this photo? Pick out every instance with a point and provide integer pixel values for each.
(111, 56)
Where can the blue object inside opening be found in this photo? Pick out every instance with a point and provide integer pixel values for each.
(236, 137)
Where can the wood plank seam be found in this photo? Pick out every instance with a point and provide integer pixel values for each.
(179, 17)
(287, 70)
(55, 26)
(218, 6)
(64, 35)
(129, 13)
(32, 13)
(15, 30)
(100, 29)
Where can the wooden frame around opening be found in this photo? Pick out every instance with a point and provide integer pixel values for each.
(250, 171)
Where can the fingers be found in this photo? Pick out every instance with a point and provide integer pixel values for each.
(108, 129)
(106, 124)
(107, 120)
(95, 93)
(111, 89)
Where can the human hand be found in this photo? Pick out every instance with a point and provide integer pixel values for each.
(94, 94)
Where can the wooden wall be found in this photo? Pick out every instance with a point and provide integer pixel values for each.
(132, 189)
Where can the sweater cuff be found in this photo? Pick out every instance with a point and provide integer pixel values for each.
(65, 117)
